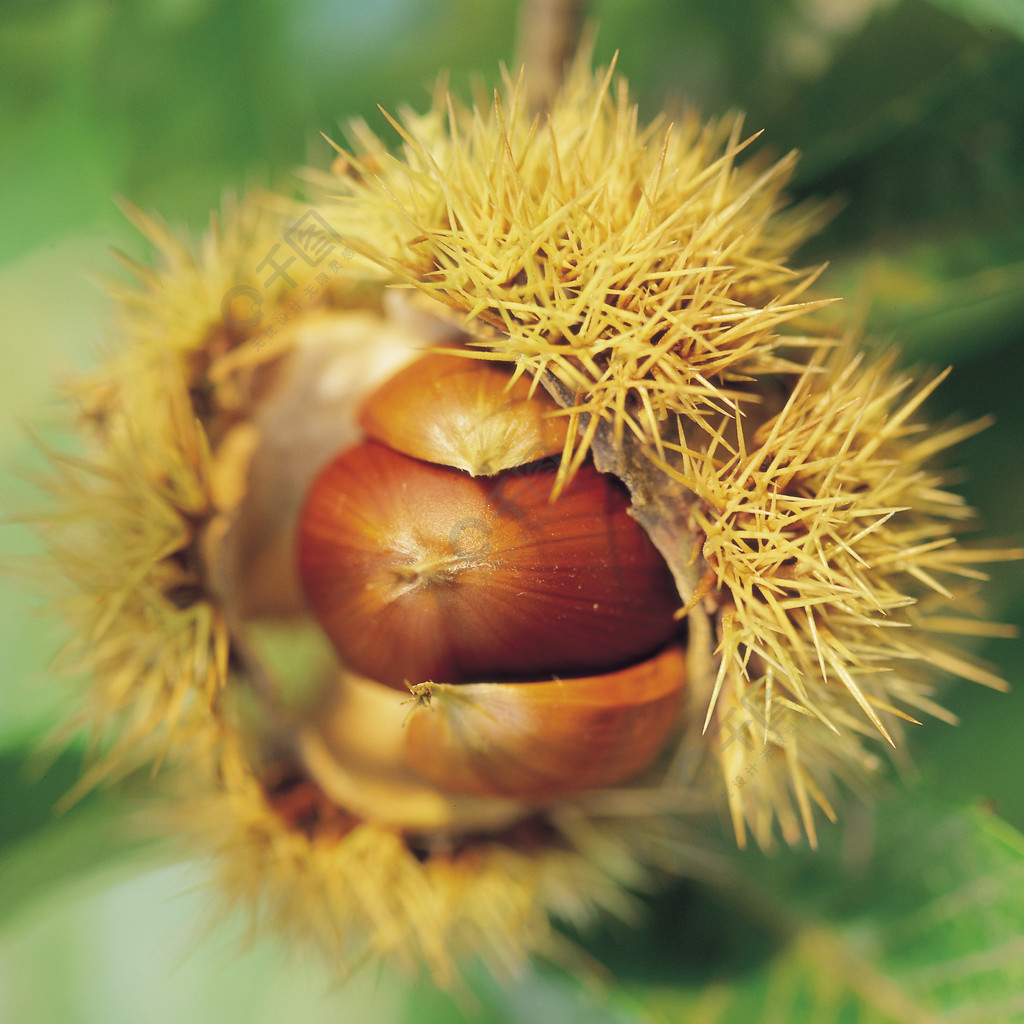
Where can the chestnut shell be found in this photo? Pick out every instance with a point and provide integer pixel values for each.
(542, 740)
(418, 572)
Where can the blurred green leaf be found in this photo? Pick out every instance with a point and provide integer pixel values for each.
(923, 137)
(42, 850)
(933, 298)
(1003, 14)
(539, 996)
(916, 919)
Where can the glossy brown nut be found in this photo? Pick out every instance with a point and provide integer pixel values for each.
(534, 741)
(420, 572)
(464, 412)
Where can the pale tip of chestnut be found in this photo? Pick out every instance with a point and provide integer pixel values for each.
(466, 413)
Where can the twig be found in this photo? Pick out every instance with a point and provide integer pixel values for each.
(549, 32)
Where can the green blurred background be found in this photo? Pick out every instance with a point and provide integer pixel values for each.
(911, 113)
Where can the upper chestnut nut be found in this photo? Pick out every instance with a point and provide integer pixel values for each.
(419, 571)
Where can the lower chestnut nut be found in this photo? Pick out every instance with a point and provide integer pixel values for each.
(533, 631)
(539, 740)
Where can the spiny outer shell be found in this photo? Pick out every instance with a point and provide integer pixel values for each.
(641, 267)
(640, 275)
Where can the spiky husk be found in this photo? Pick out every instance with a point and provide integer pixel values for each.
(134, 525)
(641, 275)
(643, 267)
(125, 525)
(828, 550)
(362, 891)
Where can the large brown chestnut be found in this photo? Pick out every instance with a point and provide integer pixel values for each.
(419, 572)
